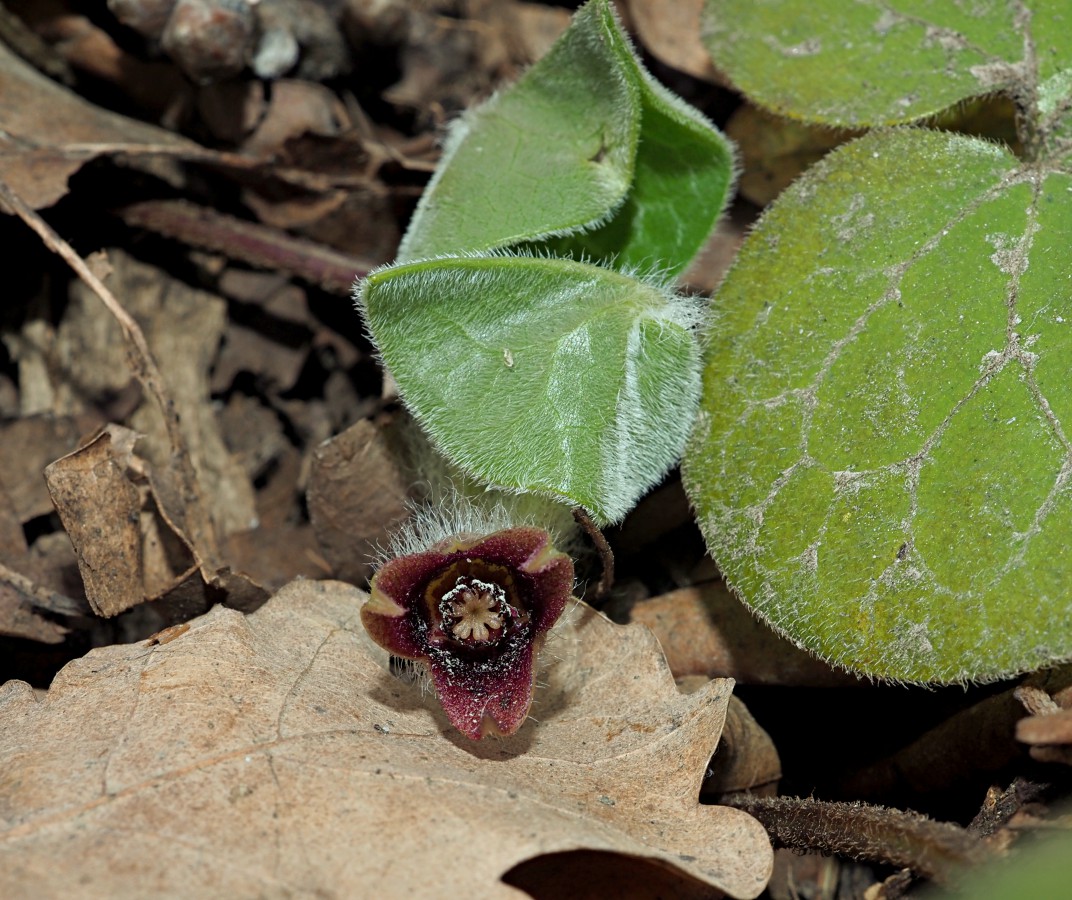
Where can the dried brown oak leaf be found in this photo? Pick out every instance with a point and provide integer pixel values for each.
(275, 754)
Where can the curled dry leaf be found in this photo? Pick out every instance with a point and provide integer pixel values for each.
(356, 496)
(747, 759)
(99, 505)
(128, 550)
(276, 753)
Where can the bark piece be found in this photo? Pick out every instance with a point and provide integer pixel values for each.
(276, 754)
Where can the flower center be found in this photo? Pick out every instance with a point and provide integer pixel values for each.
(474, 610)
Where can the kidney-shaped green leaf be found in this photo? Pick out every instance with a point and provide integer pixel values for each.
(541, 375)
(882, 461)
(861, 62)
(586, 146)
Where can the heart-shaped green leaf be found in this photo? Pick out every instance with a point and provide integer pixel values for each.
(882, 461)
(869, 63)
(542, 375)
(586, 150)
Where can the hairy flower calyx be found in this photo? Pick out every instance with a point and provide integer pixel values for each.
(475, 610)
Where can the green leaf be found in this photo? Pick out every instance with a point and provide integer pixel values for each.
(1038, 869)
(683, 174)
(541, 375)
(867, 63)
(586, 146)
(881, 465)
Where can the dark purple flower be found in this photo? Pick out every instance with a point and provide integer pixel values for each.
(475, 610)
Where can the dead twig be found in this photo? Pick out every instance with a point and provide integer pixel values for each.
(249, 242)
(196, 522)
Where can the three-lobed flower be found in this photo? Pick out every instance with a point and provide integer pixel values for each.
(475, 610)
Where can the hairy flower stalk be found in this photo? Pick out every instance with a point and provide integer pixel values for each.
(475, 610)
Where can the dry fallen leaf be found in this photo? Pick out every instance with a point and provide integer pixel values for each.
(705, 630)
(670, 29)
(1048, 727)
(183, 327)
(275, 754)
(19, 617)
(27, 445)
(747, 759)
(47, 132)
(775, 151)
(167, 547)
(356, 497)
(100, 506)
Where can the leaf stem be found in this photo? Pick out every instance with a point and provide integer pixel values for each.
(606, 555)
(938, 851)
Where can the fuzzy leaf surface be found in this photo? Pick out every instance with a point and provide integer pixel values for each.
(275, 754)
(541, 375)
(881, 464)
(865, 63)
(681, 183)
(586, 146)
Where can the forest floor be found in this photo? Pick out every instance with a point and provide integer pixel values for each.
(192, 421)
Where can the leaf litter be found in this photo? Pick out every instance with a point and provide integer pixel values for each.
(312, 184)
(309, 767)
